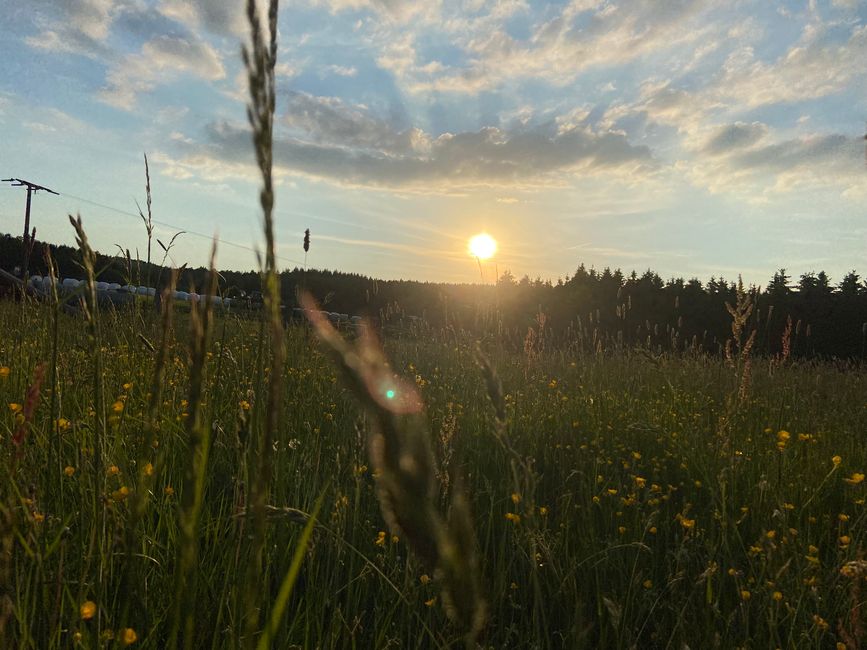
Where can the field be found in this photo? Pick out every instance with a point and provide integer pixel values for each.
(619, 499)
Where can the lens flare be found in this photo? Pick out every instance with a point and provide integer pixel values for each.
(482, 246)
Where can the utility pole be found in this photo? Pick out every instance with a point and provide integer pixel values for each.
(28, 237)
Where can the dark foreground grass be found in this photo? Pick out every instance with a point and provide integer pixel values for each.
(629, 501)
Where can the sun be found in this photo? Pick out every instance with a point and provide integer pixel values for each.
(482, 246)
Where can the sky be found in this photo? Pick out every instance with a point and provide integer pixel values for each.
(696, 138)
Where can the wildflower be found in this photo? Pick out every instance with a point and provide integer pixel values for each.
(149, 469)
(820, 622)
(611, 491)
(514, 518)
(244, 404)
(843, 517)
(640, 482)
(169, 490)
(771, 534)
(844, 540)
(120, 494)
(431, 602)
(836, 460)
(117, 407)
(87, 609)
(745, 595)
(516, 498)
(543, 511)
(380, 538)
(69, 470)
(127, 385)
(855, 479)
(687, 523)
(647, 584)
(783, 436)
(38, 517)
(652, 530)
(4, 372)
(128, 636)
(777, 595)
(15, 407)
(114, 470)
(424, 579)
(62, 424)
(853, 569)
(76, 637)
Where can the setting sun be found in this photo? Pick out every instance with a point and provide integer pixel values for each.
(482, 246)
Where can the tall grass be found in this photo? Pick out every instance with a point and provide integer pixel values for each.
(203, 479)
(640, 524)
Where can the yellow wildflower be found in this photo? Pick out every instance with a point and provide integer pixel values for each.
(117, 407)
(380, 538)
(647, 584)
(777, 595)
(514, 518)
(424, 578)
(543, 511)
(4, 372)
(87, 609)
(516, 498)
(149, 469)
(120, 494)
(745, 595)
(128, 636)
(169, 490)
(15, 407)
(244, 404)
(114, 470)
(69, 470)
(836, 460)
(855, 479)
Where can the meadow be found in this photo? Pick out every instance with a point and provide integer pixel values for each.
(616, 498)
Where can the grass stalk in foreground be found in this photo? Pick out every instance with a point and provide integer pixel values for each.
(259, 60)
(403, 462)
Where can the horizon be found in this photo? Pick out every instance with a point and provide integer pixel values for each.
(700, 141)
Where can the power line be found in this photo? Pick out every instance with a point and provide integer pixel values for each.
(165, 224)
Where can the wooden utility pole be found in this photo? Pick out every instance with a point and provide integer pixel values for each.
(28, 244)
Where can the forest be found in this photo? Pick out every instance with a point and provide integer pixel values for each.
(805, 316)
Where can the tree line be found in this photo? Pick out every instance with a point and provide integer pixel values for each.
(807, 315)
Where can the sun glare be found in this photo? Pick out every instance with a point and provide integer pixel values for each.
(483, 246)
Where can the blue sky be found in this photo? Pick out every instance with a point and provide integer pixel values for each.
(695, 138)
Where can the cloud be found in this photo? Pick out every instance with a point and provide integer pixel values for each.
(343, 143)
(742, 158)
(734, 136)
(161, 59)
(814, 67)
(225, 18)
(583, 35)
(76, 26)
(398, 10)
